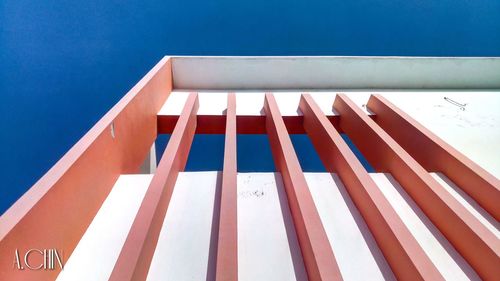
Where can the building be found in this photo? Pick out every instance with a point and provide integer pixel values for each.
(429, 127)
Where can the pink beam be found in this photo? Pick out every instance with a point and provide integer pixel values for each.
(56, 210)
(135, 257)
(436, 155)
(227, 247)
(318, 256)
(247, 124)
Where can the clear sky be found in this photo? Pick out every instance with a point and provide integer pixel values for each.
(63, 64)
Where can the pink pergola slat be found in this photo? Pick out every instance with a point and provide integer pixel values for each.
(318, 255)
(227, 247)
(135, 257)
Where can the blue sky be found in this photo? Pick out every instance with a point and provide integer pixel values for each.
(63, 64)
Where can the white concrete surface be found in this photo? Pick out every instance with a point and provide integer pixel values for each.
(95, 255)
(447, 260)
(174, 103)
(183, 249)
(267, 245)
(474, 131)
(355, 249)
(335, 72)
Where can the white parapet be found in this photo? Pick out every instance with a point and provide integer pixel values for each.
(336, 72)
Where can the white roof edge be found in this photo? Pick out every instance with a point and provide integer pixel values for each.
(334, 72)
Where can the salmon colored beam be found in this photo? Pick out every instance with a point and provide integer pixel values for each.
(318, 256)
(479, 247)
(405, 256)
(56, 211)
(436, 155)
(227, 247)
(135, 258)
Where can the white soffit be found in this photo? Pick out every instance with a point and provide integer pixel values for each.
(185, 243)
(336, 72)
(268, 248)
